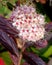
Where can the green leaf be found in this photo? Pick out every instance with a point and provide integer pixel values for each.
(34, 50)
(10, 6)
(48, 52)
(40, 8)
(1, 47)
(47, 19)
(6, 58)
(2, 9)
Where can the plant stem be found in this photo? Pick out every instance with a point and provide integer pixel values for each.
(22, 50)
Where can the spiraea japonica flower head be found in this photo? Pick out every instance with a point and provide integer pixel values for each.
(29, 23)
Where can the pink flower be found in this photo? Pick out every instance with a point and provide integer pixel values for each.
(29, 23)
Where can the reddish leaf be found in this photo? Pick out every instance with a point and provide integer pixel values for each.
(33, 59)
(8, 42)
(25, 63)
(48, 26)
(18, 3)
(48, 36)
(7, 26)
(14, 59)
(8, 30)
(41, 43)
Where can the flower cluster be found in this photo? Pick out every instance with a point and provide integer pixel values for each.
(29, 23)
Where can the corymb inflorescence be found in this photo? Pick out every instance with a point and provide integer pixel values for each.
(29, 23)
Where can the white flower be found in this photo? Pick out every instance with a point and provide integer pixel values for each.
(29, 23)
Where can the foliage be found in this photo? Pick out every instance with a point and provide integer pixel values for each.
(41, 55)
